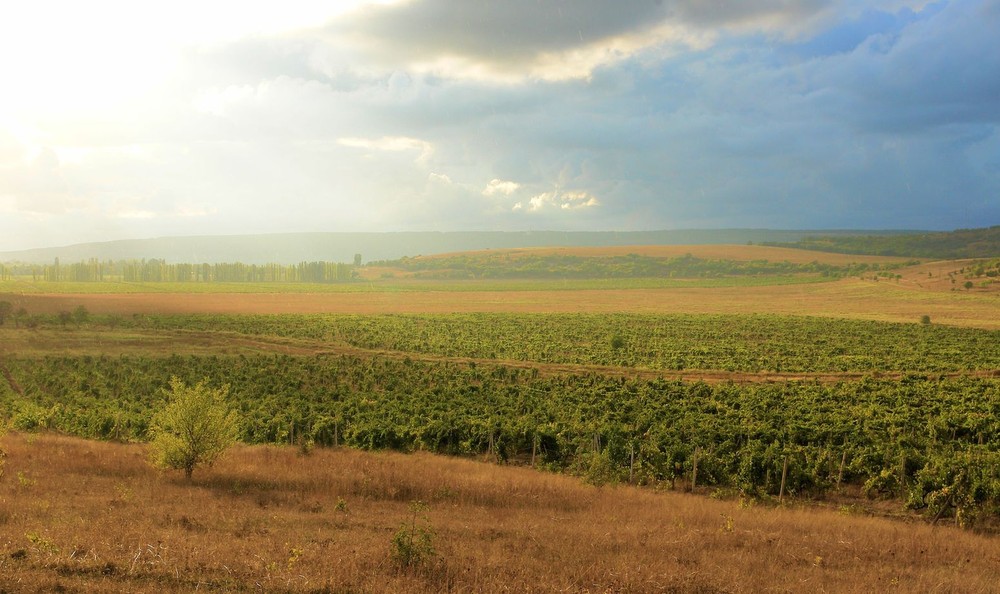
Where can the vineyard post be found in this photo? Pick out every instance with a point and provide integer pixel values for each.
(784, 475)
(631, 462)
(902, 475)
(534, 448)
(694, 469)
(840, 473)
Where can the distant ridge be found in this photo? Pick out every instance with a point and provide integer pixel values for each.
(950, 245)
(291, 248)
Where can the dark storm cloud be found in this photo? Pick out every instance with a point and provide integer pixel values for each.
(503, 32)
(506, 34)
(943, 70)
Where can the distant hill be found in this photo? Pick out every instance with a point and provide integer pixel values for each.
(291, 248)
(963, 243)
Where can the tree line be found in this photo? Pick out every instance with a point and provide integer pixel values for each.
(158, 270)
(962, 243)
(509, 266)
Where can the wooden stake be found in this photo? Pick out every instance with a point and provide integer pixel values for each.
(840, 474)
(902, 475)
(694, 469)
(784, 475)
(631, 462)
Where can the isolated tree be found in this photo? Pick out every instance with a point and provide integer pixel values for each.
(6, 308)
(80, 315)
(194, 429)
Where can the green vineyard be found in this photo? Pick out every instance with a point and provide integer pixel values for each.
(928, 438)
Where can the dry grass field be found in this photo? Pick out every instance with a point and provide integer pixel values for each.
(81, 516)
(852, 298)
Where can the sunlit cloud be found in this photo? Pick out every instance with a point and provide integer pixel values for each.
(391, 144)
(572, 200)
(497, 187)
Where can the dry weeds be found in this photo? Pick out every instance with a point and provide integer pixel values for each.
(80, 516)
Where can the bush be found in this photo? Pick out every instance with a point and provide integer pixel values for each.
(413, 543)
(195, 427)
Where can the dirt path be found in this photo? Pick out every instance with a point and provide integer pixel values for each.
(10, 379)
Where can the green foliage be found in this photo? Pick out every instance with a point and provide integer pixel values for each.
(739, 343)
(159, 271)
(504, 265)
(898, 435)
(960, 244)
(6, 309)
(194, 428)
(81, 315)
(413, 543)
(29, 416)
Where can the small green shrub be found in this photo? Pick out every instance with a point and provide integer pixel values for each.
(413, 543)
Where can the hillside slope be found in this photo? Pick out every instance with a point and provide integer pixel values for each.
(963, 243)
(268, 519)
(291, 248)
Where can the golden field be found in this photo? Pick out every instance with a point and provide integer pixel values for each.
(80, 516)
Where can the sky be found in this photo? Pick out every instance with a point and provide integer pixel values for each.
(123, 119)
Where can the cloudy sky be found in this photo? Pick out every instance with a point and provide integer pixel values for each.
(123, 119)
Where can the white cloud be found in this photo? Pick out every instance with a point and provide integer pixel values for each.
(500, 187)
(391, 144)
(569, 200)
(439, 178)
(573, 200)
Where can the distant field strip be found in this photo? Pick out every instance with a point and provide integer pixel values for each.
(726, 344)
(848, 298)
(22, 287)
